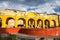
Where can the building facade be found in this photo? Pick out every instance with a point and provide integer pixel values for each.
(16, 18)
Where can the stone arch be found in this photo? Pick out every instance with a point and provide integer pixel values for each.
(21, 22)
(10, 22)
(40, 23)
(31, 23)
(47, 23)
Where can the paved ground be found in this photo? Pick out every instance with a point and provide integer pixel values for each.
(28, 37)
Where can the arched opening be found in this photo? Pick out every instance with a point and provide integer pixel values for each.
(47, 23)
(31, 23)
(21, 22)
(0, 22)
(53, 23)
(10, 22)
(39, 23)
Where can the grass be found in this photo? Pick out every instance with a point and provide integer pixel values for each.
(12, 37)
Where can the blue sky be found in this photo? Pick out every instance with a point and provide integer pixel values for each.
(42, 6)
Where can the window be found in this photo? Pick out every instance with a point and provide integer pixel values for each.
(47, 24)
(10, 22)
(31, 23)
(21, 22)
(0, 22)
(39, 23)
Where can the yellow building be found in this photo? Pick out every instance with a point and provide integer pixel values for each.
(28, 19)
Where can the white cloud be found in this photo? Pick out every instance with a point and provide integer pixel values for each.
(3, 5)
(21, 0)
(48, 7)
(57, 2)
(43, 8)
(0, 5)
(21, 7)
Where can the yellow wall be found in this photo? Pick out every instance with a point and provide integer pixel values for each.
(26, 16)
